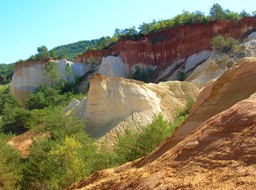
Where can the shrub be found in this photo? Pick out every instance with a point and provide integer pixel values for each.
(10, 165)
(132, 145)
(46, 96)
(66, 151)
(181, 76)
(14, 119)
(229, 45)
(7, 98)
(142, 74)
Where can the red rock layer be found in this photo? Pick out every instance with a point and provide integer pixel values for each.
(161, 48)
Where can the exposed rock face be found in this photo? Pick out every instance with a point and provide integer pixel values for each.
(210, 70)
(233, 86)
(182, 48)
(219, 154)
(250, 45)
(113, 66)
(28, 76)
(115, 103)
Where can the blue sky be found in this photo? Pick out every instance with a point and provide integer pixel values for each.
(28, 24)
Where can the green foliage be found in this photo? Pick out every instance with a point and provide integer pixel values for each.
(67, 151)
(229, 45)
(46, 96)
(217, 12)
(7, 99)
(67, 158)
(50, 69)
(14, 119)
(68, 71)
(42, 54)
(6, 72)
(142, 74)
(181, 76)
(133, 145)
(10, 165)
(53, 54)
(53, 165)
(13, 116)
(144, 142)
(70, 51)
(128, 34)
(184, 18)
(186, 111)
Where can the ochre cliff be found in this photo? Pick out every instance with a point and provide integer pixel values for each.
(217, 152)
(174, 46)
(114, 104)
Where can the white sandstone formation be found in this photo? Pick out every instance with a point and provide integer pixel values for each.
(209, 71)
(113, 104)
(195, 59)
(114, 67)
(190, 63)
(250, 45)
(29, 76)
(218, 63)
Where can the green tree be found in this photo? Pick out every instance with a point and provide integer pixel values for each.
(217, 12)
(243, 13)
(43, 53)
(46, 96)
(142, 74)
(53, 54)
(232, 15)
(63, 56)
(50, 69)
(69, 160)
(14, 119)
(7, 98)
(68, 71)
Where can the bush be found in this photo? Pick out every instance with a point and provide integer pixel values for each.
(7, 98)
(10, 165)
(142, 74)
(133, 145)
(46, 96)
(181, 76)
(229, 45)
(67, 151)
(14, 120)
